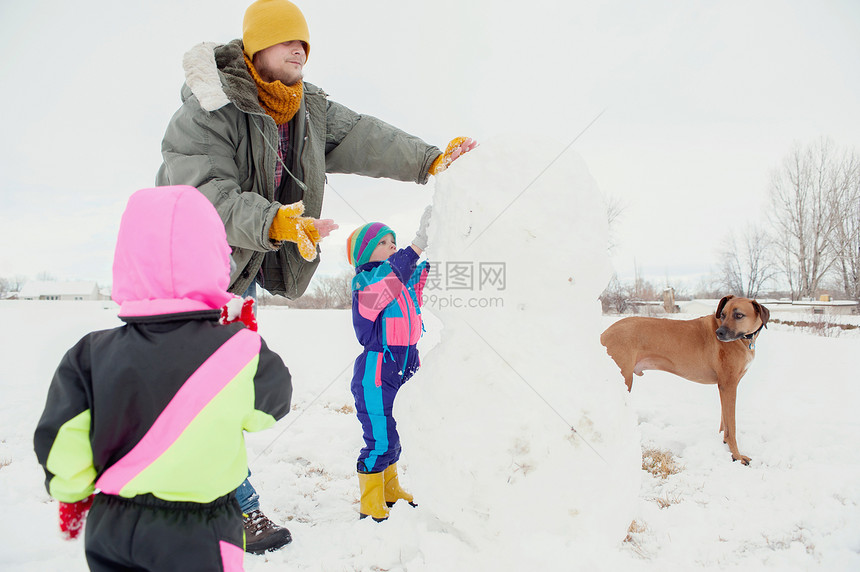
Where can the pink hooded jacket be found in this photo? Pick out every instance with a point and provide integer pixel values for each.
(160, 405)
(171, 254)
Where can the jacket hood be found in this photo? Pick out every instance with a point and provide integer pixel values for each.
(171, 254)
(216, 74)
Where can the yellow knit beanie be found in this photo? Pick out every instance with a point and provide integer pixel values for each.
(270, 22)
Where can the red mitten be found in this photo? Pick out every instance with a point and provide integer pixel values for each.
(238, 310)
(72, 515)
(247, 316)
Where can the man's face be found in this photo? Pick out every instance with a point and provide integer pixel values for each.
(283, 62)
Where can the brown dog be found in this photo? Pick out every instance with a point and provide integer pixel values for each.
(711, 349)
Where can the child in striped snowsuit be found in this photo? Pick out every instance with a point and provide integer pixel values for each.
(386, 312)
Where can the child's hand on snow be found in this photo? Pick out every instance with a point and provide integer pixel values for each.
(455, 149)
(420, 239)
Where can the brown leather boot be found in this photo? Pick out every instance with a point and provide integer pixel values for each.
(263, 535)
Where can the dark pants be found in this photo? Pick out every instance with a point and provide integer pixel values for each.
(246, 494)
(148, 534)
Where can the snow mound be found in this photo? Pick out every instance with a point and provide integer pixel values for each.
(517, 423)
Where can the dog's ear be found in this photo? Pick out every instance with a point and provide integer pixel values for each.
(763, 312)
(722, 304)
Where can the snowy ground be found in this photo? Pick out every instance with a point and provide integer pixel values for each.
(796, 507)
(502, 480)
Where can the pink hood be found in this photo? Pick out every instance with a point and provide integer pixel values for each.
(171, 254)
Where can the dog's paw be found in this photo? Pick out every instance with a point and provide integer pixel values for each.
(743, 459)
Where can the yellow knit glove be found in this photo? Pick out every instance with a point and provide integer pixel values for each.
(442, 161)
(290, 226)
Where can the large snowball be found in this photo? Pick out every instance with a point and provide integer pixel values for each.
(518, 418)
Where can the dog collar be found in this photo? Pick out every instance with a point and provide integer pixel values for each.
(752, 337)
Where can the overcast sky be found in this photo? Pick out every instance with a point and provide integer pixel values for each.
(700, 101)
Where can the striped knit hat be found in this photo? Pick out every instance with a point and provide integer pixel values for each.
(363, 241)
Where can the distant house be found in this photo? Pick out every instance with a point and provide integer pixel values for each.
(824, 307)
(49, 290)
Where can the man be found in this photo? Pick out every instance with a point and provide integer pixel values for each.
(258, 141)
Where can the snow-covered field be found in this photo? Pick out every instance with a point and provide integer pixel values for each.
(794, 508)
(520, 443)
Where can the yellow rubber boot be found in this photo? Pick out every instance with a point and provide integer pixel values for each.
(372, 496)
(393, 491)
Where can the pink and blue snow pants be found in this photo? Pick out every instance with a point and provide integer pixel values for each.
(377, 377)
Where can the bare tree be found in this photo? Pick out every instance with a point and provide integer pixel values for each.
(614, 209)
(709, 286)
(17, 282)
(333, 292)
(642, 289)
(616, 297)
(846, 208)
(746, 263)
(621, 297)
(802, 215)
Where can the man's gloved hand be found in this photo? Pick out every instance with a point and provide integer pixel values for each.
(456, 148)
(72, 516)
(238, 310)
(290, 226)
(420, 239)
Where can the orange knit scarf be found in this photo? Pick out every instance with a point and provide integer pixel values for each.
(280, 101)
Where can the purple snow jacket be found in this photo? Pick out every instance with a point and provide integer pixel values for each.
(386, 301)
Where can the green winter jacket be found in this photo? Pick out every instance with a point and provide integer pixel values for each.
(222, 142)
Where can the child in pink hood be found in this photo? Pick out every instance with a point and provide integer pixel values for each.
(150, 416)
